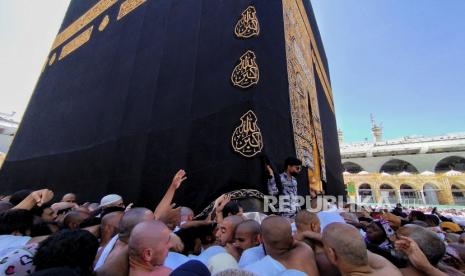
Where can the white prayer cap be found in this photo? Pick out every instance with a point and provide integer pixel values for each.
(110, 199)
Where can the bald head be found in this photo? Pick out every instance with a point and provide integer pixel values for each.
(226, 229)
(109, 225)
(234, 220)
(149, 243)
(130, 219)
(69, 198)
(247, 234)
(428, 241)
(74, 218)
(186, 213)
(344, 243)
(276, 233)
(307, 221)
(249, 226)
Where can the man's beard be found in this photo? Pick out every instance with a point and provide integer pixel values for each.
(294, 174)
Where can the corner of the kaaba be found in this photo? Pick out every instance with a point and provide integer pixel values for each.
(334, 185)
(153, 91)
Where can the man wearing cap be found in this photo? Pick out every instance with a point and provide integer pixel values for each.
(292, 167)
(111, 200)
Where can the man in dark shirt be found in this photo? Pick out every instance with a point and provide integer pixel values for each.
(292, 167)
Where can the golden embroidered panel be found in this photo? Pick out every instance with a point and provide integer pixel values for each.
(128, 6)
(104, 23)
(247, 138)
(246, 73)
(77, 42)
(248, 25)
(83, 21)
(302, 90)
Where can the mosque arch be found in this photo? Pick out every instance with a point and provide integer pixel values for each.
(409, 195)
(388, 193)
(456, 163)
(352, 167)
(431, 194)
(395, 166)
(365, 193)
(458, 193)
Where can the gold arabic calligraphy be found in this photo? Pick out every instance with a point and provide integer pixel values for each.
(246, 73)
(248, 26)
(247, 138)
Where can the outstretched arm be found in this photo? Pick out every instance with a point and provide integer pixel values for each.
(165, 203)
(308, 235)
(36, 198)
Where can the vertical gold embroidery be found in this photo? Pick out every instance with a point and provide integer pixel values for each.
(308, 136)
(246, 73)
(248, 25)
(128, 6)
(247, 138)
(76, 43)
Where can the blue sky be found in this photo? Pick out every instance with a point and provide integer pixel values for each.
(403, 61)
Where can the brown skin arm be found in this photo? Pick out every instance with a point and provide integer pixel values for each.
(165, 203)
(36, 198)
(308, 235)
(416, 257)
(171, 217)
(195, 223)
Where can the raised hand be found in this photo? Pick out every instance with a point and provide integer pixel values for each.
(63, 205)
(270, 170)
(171, 217)
(128, 207)
(410, 248)
(42, 196)
(226, 198)
(178, 178)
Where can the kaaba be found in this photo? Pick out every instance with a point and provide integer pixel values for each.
(133, 90)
